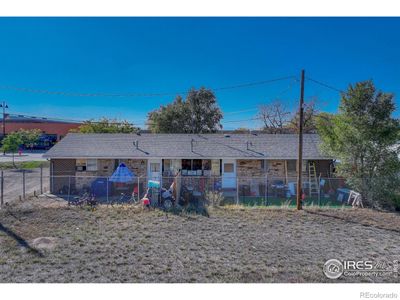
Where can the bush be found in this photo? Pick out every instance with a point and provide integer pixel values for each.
(215, 198)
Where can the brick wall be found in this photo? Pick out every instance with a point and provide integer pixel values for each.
(58, 128)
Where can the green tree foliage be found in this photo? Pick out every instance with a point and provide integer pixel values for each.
(198, 113)
(105, 125)
(365, 138)
(11, 143)
(29, 137)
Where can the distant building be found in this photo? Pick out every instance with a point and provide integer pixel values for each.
(52, 130)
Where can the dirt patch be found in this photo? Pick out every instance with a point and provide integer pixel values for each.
(124, 244)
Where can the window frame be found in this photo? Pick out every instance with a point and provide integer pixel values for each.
(89, 166)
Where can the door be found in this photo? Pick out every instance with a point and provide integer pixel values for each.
(154, 169)
(228, 174)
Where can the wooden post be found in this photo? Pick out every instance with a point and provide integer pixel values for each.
(286, 173)
(300, 154)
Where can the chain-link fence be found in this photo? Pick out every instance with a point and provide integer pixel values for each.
(217, 190)
(20, 183)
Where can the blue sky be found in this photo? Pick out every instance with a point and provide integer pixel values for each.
(168, 55)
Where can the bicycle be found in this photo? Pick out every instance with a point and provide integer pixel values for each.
(126, 198)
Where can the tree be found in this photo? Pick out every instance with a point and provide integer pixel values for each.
(29, 137)
(275, 117)
(309, 119)
(105, 125)
(198, 113)
(242, 130)
(364, 137)
(11, 143)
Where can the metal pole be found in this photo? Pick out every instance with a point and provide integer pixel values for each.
(2, 188)
(41, 180)
(23, 184)
(237, 190)
(319, 190)
(107, 189)
(52, 177)
(300, 155)
(69, 187)
(4, 106)
(265, 190)
(138, 188)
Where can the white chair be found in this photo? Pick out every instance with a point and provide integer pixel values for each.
(355, 199)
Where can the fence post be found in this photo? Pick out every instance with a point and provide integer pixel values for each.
(266, 190)
(41, 179)
(237, 190)
(319, 190)
(138, 188)
(2, 188)
(69, 187)
(23, 184)
(107, 189)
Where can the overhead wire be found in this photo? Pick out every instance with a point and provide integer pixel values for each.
(119, 95)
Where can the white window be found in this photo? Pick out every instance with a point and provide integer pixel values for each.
(91, 165)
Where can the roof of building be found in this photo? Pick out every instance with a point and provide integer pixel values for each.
(260, 146)
(32, 119)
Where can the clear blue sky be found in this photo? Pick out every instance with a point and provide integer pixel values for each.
(157, 55)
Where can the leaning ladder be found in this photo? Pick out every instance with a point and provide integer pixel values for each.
(312, 179)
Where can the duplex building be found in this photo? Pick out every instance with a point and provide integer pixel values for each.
(232, 159)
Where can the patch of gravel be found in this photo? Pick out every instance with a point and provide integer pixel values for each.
(125, 244)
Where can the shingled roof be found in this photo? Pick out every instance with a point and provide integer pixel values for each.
(260, 146)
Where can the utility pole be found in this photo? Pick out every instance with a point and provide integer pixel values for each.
(300, 155)
(4, 106)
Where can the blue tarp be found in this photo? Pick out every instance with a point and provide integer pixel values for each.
(122, 174)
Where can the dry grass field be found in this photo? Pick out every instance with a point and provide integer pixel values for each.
(43, 240)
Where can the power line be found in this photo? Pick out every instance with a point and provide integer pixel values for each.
(120, 95)
(326, 85)
(240, 111)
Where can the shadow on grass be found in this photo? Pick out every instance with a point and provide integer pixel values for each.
(23, 243)
(349, 220)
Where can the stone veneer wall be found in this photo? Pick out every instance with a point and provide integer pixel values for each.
(105, 168)
(276, 169)
(251, 176)
(137, 166)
